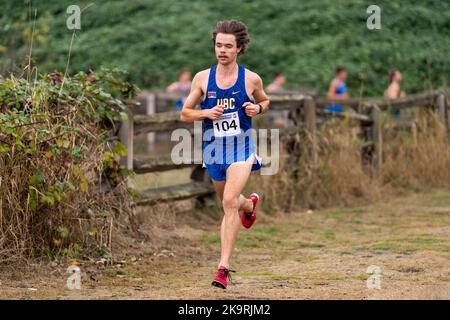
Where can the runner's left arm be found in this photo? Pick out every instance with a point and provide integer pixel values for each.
(260, 97)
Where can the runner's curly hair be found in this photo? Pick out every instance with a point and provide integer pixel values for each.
(235, 27)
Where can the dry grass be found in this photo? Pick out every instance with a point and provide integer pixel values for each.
(337, 178)
(61, 187)
(412, 160)
(318, 255)
(418, 158)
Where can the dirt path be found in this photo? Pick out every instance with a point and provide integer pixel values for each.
(320, 255)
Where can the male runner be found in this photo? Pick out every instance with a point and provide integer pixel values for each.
(229, 154)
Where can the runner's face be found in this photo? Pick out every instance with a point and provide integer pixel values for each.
(226, 48)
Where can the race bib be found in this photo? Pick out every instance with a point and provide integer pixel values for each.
(227, 125)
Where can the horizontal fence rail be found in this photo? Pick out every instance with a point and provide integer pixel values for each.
(306, 112)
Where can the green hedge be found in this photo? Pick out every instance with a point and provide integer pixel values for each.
(306, 39)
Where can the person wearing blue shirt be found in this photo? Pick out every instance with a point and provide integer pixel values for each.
(338, 89)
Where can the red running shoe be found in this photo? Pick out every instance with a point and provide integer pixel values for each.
(220, 280)
(248, 218)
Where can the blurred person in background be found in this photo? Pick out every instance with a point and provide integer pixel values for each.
(277, 84)
(393, 90)
(182, 86)
(279, 118)
(90, 75)
(338, 89)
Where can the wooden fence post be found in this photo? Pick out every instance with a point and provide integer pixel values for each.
(441, 108)
(310, 125)
(377, 137)
(150, 109)
(447, 107)
(126, 136)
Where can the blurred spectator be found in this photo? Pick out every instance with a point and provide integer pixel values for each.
(393, 91)
(338, 89)
(277, 85)
(90, 75)
(278, 117)
(182, 86)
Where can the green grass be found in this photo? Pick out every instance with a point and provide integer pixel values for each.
(254, 238)
(265, 231)
(210, 238)
(268, 276)
(320, 276)
(362, 276)
(412, 244)
(437, 198)
(444, 279)
(334, 277)
(305, 259)
(352, 215)
(303, 245)
(325, 234)
(346, 252)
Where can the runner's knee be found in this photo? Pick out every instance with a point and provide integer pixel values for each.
(230, 201)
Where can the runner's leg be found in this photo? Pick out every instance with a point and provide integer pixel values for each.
(244, 203)
(237, 176)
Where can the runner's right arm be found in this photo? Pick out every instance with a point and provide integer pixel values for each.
(189, 113)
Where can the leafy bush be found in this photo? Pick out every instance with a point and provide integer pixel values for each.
(57, 143)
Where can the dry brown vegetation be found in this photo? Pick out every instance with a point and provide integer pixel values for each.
(418, 158)
(61, 185)
(413, 159)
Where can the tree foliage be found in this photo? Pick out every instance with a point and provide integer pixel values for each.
(305, 39)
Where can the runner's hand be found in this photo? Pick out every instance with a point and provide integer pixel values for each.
(251, 109)
(215, 112)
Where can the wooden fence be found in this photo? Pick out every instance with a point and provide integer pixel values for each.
(306, 112)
